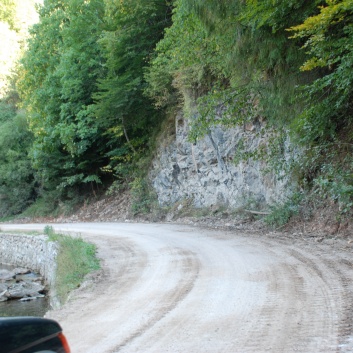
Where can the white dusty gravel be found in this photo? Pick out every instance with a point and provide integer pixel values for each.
(174, 288)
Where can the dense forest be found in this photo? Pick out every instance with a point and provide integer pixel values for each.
(96, 79)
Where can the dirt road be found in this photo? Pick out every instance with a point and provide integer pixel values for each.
(172, 288)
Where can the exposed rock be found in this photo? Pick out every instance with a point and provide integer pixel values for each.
(205, 173)
(25, 289)
(3, 292)
(26, 284)
(3, 296)
(26, 299)
(21, 271)
(6, 275)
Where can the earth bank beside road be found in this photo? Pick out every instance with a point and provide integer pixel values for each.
(172, 288)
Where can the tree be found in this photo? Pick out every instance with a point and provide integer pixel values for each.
(8, 13)
(133, 27)
(17, 177)
(57, 80)
(235, 54)
(81, 83)
(328, 38)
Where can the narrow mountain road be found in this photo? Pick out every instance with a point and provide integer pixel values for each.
(171, 288)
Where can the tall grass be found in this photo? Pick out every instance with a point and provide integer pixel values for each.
(76, 258)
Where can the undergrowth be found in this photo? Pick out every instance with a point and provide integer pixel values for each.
(281, 213)
(41, 208)
(7, 219)
(76, 258)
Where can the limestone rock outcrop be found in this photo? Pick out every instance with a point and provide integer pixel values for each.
(206, 174)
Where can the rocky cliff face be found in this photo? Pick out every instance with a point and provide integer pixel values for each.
(206, 173)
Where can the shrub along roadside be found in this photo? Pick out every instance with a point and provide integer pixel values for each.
(281, 213)
(76, 258)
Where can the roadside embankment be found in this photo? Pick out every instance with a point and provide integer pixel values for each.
(31, 251)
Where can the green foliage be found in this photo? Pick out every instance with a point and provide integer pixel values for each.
(325, 127)
(144, 198)
(17, 180)
(76, 259)
(226, 107)
(47, 204)
(81, 82)
(99, 75)
(231, 54)
(231, 62)
(335, 183)
(187, 62)
(57, 80)
(132, 30)
(8, 12)
(281, 213)
(328, 42)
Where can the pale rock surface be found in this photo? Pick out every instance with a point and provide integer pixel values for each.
(205, 172)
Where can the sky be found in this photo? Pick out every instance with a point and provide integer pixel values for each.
(12, 41)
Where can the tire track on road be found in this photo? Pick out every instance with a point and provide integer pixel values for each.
(186, 263)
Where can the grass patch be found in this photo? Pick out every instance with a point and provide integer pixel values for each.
(40, 208)
(7, 218)
(76, 258)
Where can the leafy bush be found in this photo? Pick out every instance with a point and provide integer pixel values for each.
(144, 199)
(336, 184)
(281, 213)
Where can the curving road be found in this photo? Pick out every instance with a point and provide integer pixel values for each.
(171, 288)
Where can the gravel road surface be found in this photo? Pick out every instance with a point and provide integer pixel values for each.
(172, 288)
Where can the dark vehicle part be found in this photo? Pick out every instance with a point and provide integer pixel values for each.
(31, 335)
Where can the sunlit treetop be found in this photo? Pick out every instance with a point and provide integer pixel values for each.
(325, 32)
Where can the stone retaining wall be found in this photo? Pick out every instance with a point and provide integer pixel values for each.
(31, 251)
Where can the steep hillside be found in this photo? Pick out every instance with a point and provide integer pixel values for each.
(183, 104)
